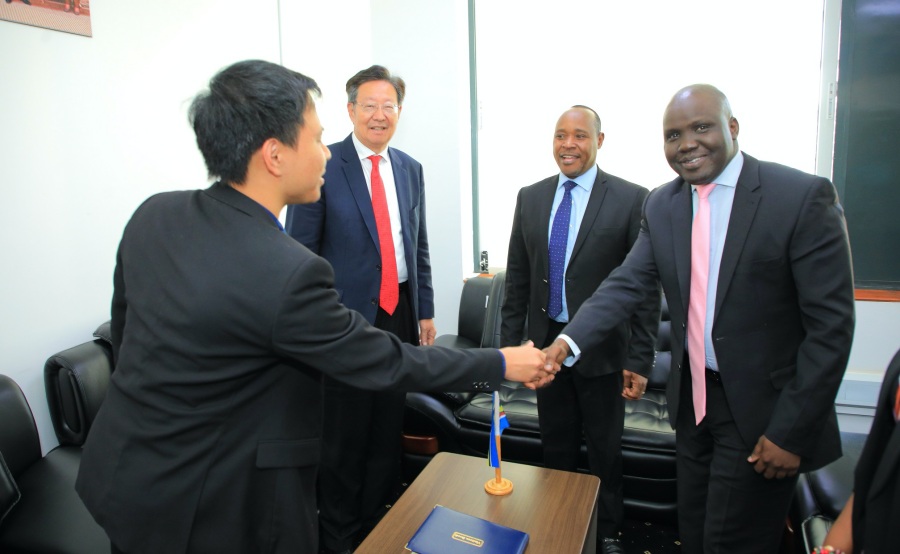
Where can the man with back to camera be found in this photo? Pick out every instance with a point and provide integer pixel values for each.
(599, 219)
(761, 300)
(222, 326)
(383, 271)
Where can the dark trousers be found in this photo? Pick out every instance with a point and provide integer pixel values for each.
(573, 408)
(361, 445)
(724, 506)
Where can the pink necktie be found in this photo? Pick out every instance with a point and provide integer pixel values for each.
(697, 308)
(390, 289)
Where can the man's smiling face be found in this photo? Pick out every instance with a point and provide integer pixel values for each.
(700, 135)
(576, 141)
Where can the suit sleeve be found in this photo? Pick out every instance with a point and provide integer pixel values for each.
(518, 283)
(820, 262)
(644, 321)
(620, 295)
(423, 259)
(305, 223)
(314, 329)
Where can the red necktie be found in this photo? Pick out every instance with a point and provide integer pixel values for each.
(697, 306)
(390, 288)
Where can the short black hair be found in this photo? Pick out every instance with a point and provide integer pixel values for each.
(596, 115)
(375, 73)
(248, 103)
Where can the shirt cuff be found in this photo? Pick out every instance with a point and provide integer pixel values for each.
(573, 348)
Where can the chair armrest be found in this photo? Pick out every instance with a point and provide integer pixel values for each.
(75, 381)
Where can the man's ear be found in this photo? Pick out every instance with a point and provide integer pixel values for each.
(272, 156)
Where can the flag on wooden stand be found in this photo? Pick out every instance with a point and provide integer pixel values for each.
(498, 485)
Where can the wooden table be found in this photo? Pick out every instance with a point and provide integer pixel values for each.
(557, 509)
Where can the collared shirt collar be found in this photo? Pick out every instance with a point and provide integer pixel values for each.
(364, 151)
(731, 173)
(585, 180)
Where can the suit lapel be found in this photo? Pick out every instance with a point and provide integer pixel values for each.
(592, 210)
(402, 186)
(541, 216)
(356, 181)
(682, 216)
(743, 210)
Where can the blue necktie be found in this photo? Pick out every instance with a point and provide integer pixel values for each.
(559, 237)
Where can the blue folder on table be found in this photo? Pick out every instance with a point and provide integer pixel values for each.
(447, 531)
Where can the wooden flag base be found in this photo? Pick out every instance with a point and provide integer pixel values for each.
(498, 487)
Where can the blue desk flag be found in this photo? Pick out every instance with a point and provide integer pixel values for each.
(498, 424)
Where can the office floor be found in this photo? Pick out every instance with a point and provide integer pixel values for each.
(649, 538)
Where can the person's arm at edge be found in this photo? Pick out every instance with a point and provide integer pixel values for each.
(425, 292)
(840, 536)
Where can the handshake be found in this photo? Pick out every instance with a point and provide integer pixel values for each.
(535, 368)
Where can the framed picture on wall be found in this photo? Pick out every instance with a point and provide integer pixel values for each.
(69, 16)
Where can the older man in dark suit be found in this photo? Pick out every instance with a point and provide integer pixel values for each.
(764, 290)
(370, 226)
(552, 268)
(222, 326)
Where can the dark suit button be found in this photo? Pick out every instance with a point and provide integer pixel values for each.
(374, 302)
(378, 267)
(543, 309)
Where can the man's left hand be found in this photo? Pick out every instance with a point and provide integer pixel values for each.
(773, 461)
(634, 385)
(427, 332)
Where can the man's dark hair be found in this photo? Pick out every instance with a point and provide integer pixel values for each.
(375, 73)
(248, 103)
(596, 115)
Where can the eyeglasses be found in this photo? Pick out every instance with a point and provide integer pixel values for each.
(388, 109)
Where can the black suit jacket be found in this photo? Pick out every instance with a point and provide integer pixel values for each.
(340, 227)
(876, 484)
(208, 440)
(783, 320)
(611, 224)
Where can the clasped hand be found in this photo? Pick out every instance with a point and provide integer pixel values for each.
(526, 364)
(772, 461)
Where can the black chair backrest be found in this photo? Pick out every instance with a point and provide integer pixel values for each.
(473, 304)
(493, 319)
(19, 440)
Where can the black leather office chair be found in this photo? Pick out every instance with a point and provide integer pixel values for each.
(49, 517)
